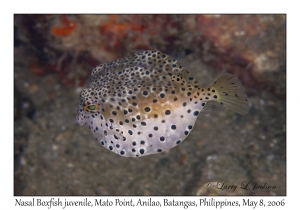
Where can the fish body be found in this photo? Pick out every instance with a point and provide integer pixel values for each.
(148, 103)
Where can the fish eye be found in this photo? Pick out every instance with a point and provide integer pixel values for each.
(90, 107)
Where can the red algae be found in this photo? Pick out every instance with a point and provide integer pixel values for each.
(65, 29)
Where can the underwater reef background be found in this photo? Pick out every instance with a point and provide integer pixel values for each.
(53, 59)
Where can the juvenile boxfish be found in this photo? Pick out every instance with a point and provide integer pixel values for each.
(148, 103)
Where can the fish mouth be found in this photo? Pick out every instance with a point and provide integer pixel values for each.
(80, 118)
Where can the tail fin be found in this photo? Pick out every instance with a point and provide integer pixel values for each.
(231, 93)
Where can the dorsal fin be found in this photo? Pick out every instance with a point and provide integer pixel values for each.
(182, 59)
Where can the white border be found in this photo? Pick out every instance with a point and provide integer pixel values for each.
(152, 6)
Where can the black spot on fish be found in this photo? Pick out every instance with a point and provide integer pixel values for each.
(147, 109)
